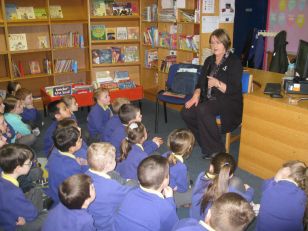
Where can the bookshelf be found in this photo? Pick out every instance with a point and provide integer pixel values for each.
(185, 27)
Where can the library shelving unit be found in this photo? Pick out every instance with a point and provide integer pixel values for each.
(171, 39)
(111, 54)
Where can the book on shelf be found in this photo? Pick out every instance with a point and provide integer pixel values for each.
(131, 54)
(151, 58)
(122, 9)
(47, 66)
(173, 94)
(167, 62)
(25, 12)
(21, 69)
(121, 75)
(16, 71)
(121, 33)
(189, 42)
(126, 84)
(40, 13)
(69, 39)
(167, 40)
(133, 33)
(18, 42)
(103, 77)
(43, 41)
(99, 8)
(111, 33)
(10, 11)
(34, 67)
(150, 36)
(98, 32)
(117, 55)
(66, 65)
(55, 11)
(101, 56)
(149, 13)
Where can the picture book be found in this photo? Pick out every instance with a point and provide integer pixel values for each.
(18, 42)
(131, 54)
(126, 84)
(111, 33)
(55, 11)
(95, 56)
(10, 11)
(105, 56)
(122, 9)
(116, 54)
(132, 33)
(43, 41)
(34, 67)
(40, 13)
(98, 8)
(25, 12)
(121, 75)
(98, 32)
(121, 33)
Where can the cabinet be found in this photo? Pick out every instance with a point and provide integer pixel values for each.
(172, 35)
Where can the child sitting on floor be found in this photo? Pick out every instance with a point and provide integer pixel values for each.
(71, 104)
(109, 193)
(99, 115)
(180, 143)
(217, 181)
(229, 212)
(76, 194)
(150, 206)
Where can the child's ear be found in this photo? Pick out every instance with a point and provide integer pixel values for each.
(57, 116)
(211, 168)
(208, 217)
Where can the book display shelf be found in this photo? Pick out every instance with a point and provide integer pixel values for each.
(172, 34)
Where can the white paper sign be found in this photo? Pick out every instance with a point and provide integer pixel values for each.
(208, 6)
(166, 4)
(209, 23)
(226, 11)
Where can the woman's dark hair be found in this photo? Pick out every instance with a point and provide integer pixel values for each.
(65, 138)
(75, 190)
(135, 134)
(223, 167)
(152, 171)
(223, 37)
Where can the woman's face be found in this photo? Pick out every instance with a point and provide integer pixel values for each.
(217, 47)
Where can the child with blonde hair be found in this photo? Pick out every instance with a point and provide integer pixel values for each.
(180, 143)
(110, 193)
(71, 104)
(214, 183)
(99, 115)
(283, 203)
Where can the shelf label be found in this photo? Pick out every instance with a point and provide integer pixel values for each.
(62, 90)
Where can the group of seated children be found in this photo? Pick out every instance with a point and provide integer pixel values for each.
(120, 182)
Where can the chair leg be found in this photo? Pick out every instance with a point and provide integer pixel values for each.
(156, 115)
(228, 142)
(165, 112)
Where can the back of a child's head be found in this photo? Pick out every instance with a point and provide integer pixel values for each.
(66, 123)
(13, 155)
(12, 87)
(180, 142)
(152, 171)
(66, 137)
(231, 212)
(75, 190)
(100, 156)
(53, 109)
(98, 92)
(136, 134)
(128, 113)
(10, 103)
(22, 93)
(298, 173)
(117, 103)
(223, 166)
(68, 100)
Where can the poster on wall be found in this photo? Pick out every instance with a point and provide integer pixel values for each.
(209, 24)
(291, 16)
(208, 7)
(226, 11)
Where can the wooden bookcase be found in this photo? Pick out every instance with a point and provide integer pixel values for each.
(153, 78)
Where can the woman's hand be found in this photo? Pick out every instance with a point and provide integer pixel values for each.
(194, 100)
(213, 82)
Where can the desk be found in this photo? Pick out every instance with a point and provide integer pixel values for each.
(273, 131)
(86, 99)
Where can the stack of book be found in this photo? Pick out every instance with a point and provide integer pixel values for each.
(167, 62)
(151, 58)
(167, 15)
(66, 65)
(69, 39)
(149, 13)
(189, 42)
(150, 36)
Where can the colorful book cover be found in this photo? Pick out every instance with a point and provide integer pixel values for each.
(34, 67)
(111, 33)
(95, 56)
(18, 42)
(132, 33)
(121, 75)
(98, 8)
(121, 33)
(25, 12)
(10, 11)
(55, 11)
(116, 54)
(98, 32)
(131, 54)
(105, 56)
(40, 13)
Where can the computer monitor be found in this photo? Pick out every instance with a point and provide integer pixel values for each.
(301, 66)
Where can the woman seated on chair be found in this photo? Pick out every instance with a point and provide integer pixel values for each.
(218, 93)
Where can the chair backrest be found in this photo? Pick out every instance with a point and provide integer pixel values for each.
(246, 82)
